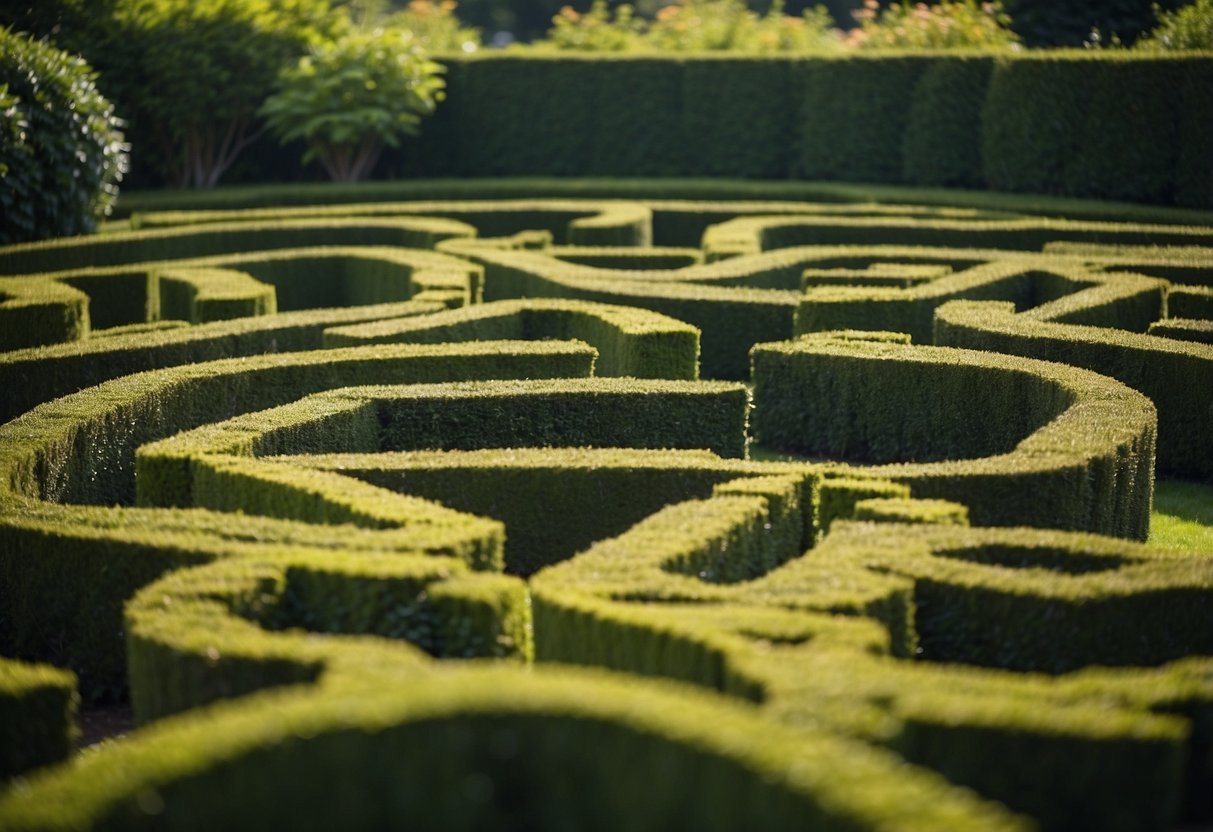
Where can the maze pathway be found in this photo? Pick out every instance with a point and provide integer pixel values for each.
(567, 513)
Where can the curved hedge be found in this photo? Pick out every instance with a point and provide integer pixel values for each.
(633, 342)
(1176, 375)
(264, 530)
(37, 716)
(1067, 123)
(1070, 449)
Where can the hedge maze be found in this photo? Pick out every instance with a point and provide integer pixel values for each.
(600, 513)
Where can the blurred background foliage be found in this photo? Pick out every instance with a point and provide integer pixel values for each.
(61, 147)
(189, 78)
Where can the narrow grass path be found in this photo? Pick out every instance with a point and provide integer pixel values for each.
(1183, 516)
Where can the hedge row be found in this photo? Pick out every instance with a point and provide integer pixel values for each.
(203, 240)
(491, 748)
(34, 312)
(37, 716)
(680, 191)
(714, 298)
(1041, 601)
(1185, 329)
(630, 342)
(197, 467)
(1054, 287)
(1190, 302)
(554, 501)
(575, 222)
(1107, 125)
(1070, 449)
(763, 233)
(1176, 375)
(73, 304)
(81, 450)
(235, 608)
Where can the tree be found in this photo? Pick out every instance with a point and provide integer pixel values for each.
(349, 99)
(197, 70)
(61, 148)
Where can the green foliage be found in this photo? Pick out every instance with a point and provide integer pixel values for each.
(942, 143)
(1117, 126)
(61, 150)
(1188, 28)
(950, 24)
(598, 30)
(1175, 374)
(631, 342)
(862, 398)
(350, 98)
(193, 74)
(37, 716)
(692, 26)
(853, 115)
(435, 26)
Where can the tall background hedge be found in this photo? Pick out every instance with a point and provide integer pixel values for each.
(1103, 125)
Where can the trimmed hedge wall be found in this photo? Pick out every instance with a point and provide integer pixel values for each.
(41, 539)
(1105, 125)
(1176, 375)
(554, 501)
(524, 736)
(221, 238)
(276, 540)
(1185, 329)
(1070, 449)
(578, 222)
(626, 604)
(1101, 124)
(57, 306)
(632, 342)
(37, 716)
(1116, 128)
(715, 298)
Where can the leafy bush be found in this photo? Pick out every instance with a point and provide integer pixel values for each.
(1191, 27)
(435, 26)
(61, 151)
(702, 25)
(598, 30)
(195, 72)
(952, 24)
(350, 98)
(692, 26)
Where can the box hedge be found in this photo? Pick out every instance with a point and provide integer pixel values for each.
(1071, 449)
(1176, 375)
(37, 716)
(630, 342)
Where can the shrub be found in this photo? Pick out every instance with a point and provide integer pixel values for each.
(349, 99)
(598, 30)
(692, 26)
(194, 73)
(962, 24)
(1190, 27)
(61, 152)
(37, 716)
(435, 26)
(700, 25)
(942, 143)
